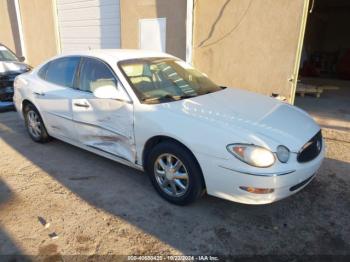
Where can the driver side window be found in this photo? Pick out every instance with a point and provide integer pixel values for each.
(94, 74)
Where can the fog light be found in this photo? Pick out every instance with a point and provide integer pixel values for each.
(256, 190)
(282, 154)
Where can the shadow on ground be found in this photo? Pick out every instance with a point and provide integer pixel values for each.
(314, 221)
(6, 241)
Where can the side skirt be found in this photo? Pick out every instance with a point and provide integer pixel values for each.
(100, 153)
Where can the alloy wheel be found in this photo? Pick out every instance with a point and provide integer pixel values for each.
(171, 175)
(34, 123)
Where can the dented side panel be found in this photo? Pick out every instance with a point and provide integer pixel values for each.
(106, 125)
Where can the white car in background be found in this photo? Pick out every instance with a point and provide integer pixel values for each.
(154, 112)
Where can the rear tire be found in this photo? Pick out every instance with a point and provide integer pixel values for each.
(175, 173)
(35, 124)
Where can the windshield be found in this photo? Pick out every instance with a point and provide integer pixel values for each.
(157, 80)
(6, 55)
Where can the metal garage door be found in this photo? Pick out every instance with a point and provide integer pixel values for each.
(88, 24)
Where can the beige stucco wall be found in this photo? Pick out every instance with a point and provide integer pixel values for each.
(175, 13)
(8, 26)
(38, 30)
(250, 44)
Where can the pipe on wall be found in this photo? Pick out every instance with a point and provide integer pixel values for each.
(294, 77)
(189, 31)
(20, 28)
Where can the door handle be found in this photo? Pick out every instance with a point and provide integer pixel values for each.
(81, 105)
(39, 93)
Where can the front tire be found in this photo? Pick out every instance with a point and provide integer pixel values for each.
(35, 125)
(175, 173)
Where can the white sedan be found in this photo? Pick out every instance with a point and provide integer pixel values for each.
(154, 112)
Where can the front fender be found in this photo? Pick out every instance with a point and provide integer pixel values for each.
(198, 136)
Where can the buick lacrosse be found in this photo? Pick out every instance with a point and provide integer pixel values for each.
(154, 112)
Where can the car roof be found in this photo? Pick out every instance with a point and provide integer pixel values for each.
(116, 54)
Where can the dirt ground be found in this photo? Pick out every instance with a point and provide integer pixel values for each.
(97, 206)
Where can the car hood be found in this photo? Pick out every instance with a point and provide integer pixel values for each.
(9, 67)
(252, 117)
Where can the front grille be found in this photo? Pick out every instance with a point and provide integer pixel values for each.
(311, 149)
(6, 86)
(7, 80)
(6, 96)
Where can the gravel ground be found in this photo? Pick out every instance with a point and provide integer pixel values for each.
(97, 206)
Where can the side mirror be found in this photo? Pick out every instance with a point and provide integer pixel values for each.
(110, 92)
(21, 58)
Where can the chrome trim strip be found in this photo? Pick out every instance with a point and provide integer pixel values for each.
(260, 174)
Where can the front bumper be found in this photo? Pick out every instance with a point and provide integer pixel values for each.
(224, 178)
(6, 97)
(6, 94)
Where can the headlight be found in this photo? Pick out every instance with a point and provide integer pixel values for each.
(282, 154)
(252, 155)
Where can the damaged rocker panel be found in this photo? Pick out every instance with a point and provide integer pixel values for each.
(107, 152)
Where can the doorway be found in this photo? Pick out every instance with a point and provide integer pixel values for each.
(324, 78)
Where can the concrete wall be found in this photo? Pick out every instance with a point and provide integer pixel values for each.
(38, 30)
(249, 44)
(173, 10)
(9, 35)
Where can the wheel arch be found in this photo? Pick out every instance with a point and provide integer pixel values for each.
(26, 102)
(155, 140)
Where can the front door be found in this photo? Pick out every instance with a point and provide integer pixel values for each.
(102, 124)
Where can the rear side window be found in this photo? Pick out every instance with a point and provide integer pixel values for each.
(62, 71)
(42, 72)
(94, 74)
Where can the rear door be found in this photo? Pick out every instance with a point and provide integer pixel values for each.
(102, 124)
(53, 94)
